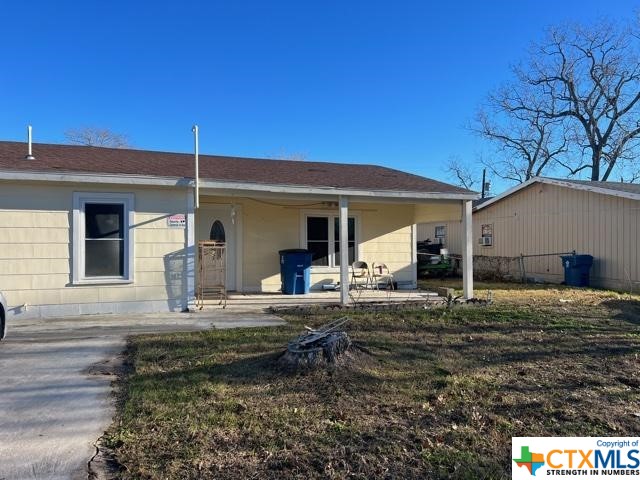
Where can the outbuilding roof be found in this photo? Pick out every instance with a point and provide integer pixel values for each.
(53, 158)
(613, 186)
(616, 189)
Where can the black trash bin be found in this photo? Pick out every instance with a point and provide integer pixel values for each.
(576, 270)
(295, 270)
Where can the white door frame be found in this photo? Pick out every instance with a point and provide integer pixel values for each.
(233, 231)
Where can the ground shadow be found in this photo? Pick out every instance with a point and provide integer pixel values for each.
(626, 310)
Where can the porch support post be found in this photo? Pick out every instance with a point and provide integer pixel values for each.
(414, 256)
(189, 274)
(467, 250)
(344, 249)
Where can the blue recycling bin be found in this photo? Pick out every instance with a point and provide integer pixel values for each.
(576, 270)
(295, 271)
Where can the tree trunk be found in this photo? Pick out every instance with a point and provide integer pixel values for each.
(595, 165)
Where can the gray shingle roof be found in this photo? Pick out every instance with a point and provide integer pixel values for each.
(621, 187)
(626, 190)
(51, 158)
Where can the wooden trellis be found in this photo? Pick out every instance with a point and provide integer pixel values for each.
(212, 266)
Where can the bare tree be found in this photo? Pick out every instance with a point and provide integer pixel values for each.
(466, 177)
(96, 137)
(526, 143)
(633, 177)
(585, 81)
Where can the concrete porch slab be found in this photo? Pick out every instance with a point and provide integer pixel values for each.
(238, 302)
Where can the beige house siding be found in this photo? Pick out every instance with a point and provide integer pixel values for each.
(387, 232)
(383, 232)
(36, 252)
(448, 211)
(544, 218)
(37, 245)
(267, 229)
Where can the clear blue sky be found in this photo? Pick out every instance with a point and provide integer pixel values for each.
(390, 83)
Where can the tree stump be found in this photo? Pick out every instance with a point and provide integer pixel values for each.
(317, 348)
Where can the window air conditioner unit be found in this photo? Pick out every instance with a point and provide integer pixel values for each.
(485, 241)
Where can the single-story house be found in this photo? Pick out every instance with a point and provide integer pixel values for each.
(102, 230)
(545, 217)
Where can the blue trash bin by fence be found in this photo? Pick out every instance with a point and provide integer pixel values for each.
(576, 270)
(295, 271)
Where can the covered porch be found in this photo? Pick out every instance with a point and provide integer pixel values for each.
(379, 228)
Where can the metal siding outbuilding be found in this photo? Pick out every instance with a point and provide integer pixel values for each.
(548, 218)
(557, 219)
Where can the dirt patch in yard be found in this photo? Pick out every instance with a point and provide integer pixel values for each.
(581, 302)
(441, 396)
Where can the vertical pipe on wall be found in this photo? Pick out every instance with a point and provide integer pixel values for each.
(344, 249)
(467, 249)
(196, 147)
(29, 155)
(189, 278)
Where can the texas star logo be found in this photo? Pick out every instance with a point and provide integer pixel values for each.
(532, 461)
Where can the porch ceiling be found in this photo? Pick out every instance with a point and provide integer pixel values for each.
(332, 196)
(322, 193)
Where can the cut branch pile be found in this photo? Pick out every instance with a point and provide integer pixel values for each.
(315, 348)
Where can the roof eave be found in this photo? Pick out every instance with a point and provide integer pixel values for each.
(590, 188)
(334, 191)
(558, 183)
(140, 180)
(112, 179)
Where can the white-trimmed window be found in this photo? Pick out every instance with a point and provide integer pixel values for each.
(103, 237)
(323, 239)
(440, 234)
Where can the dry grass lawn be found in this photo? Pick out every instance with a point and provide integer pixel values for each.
(440, 394)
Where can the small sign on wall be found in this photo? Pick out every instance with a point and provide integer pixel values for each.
(176, 221)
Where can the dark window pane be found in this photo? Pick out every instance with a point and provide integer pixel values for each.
(351, 240)
(217, 232)
(317, 228)
(104, 220)
(352, 253)
(320, 252)
(352, 229)
(104, 258)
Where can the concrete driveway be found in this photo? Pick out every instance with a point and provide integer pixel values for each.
(55, 387)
